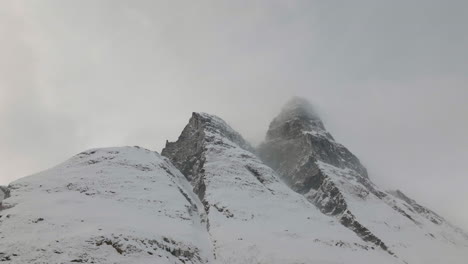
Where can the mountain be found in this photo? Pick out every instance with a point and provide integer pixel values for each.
(253, 217)
(114, 205)
(312, 163)
(210, 197)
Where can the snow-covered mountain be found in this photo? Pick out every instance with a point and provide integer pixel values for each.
(313, 164)
(209, 198)
(115, 205)
(253, 217)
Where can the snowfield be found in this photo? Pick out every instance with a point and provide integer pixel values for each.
(115, 205)
(256, 218)
(130, 205)
(396, 222)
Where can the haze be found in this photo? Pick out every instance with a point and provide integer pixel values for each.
(389, 78)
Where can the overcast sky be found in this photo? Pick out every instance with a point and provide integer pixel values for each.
(390, 79)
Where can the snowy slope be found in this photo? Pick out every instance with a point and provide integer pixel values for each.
(312, 163)
(397, 224)
(114, 205)
(253, 216)
(209, 199)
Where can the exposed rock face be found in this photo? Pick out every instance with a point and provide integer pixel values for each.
(4, 193)
(188, 152)
(242, 196)
(433, 217)
(211, 200)
(312, 163)
(295, 144)
(297, 133)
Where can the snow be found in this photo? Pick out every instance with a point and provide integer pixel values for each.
(255, 218)
(114, 205)
(322, 134)
(131, 205)
(416, 241)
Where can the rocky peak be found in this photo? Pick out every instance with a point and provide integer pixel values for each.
(297, 117)
(299, 134)
(230, 183)
(302, 152)
(204, 127)
(214, 201)
(215, 126)
(297, 107)
(188, 152)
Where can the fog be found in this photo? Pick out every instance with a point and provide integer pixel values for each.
(389, 78)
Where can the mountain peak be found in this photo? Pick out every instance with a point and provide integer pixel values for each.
(213, 126)
(312, 163)
(202, 129)
(297, 117)
(211, 123)
(208, 196)
(299, 127)
(300, 107)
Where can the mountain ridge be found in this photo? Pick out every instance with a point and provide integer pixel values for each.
(330, 176)
(216, 151)
(210, 197)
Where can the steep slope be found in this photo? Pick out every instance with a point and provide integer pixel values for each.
(212, 200)
(4, 193)
(114, 205)
(313, 164)
(253, 217)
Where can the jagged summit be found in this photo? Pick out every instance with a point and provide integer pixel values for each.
(298, 133)
(207, 125)
(297, 117)
(312, 163)
(208, 199)
(249, 207)
(298, 107)
(202, 128)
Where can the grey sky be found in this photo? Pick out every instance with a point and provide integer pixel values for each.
(390, 79)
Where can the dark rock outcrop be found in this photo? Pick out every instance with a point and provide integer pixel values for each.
(188, 152)
(4, 194)
(296, 143)
(432, 216)
(297, 133)
(211, 199)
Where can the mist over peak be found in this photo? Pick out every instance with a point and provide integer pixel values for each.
(388, 79)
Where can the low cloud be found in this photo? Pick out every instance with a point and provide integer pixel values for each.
(389, 79)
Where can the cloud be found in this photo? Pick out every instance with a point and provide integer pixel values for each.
(31, 132)
(389, 78)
